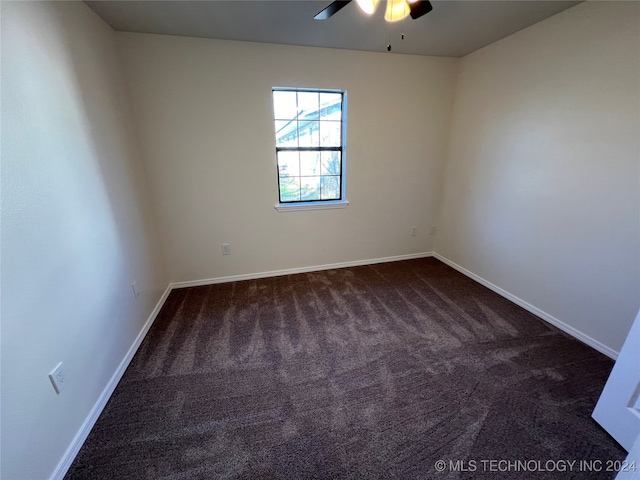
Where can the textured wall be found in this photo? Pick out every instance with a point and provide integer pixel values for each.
(76, 227)
(205, 116)
(541, 194)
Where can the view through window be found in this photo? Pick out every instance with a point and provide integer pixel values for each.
(309, 144)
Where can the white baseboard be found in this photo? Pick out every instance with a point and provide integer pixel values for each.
(292, 271)
(73, 449)
(609, 352)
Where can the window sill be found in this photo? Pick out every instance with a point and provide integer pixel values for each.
(297, 207)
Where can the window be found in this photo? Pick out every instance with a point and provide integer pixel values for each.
(309, 134)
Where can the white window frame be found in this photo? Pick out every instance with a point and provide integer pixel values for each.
(317, 204)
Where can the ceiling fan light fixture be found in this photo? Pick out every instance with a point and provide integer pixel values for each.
(396, 10)
(368, 6)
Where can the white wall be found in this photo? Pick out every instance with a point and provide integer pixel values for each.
(541, 194)
(205, 116)
(76, 228)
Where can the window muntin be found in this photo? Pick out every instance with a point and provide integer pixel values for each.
(309, 130)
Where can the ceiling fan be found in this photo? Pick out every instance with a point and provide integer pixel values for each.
(396, 9)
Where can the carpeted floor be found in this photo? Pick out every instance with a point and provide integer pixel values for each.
(366, 372)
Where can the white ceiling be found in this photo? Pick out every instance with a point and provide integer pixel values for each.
(454, 28)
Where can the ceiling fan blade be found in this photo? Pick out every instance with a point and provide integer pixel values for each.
(331, 9)
(420, 8)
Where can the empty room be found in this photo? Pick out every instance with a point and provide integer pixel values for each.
(316, 239)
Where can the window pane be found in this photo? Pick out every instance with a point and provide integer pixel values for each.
(289, 189)
(308, 105)
(330, 188)
(284, 105)
(309, 163)
(309, 135)
(330, 106)
(286, 133)
(330, 163)
(330, 133)
(288, 164)
(310, 188)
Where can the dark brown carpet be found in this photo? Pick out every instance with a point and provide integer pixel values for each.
(367, 372)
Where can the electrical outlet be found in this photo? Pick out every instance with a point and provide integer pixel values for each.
(134, 287)
(432, 230)
(414, 231)
(226, 249)
(58, 378)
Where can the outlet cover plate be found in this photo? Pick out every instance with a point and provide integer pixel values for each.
(136, 291)
(58, 378)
